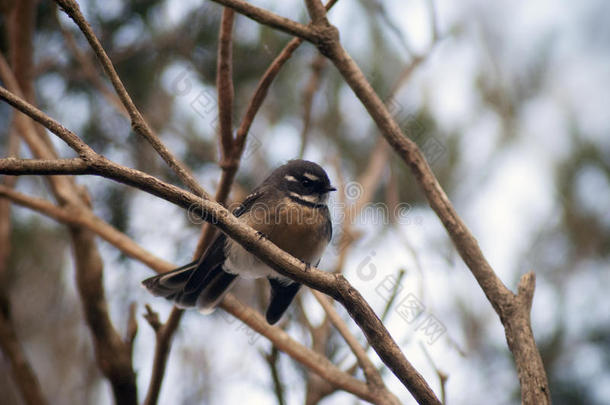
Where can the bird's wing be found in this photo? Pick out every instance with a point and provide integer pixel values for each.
(248, 203)
(214, 256)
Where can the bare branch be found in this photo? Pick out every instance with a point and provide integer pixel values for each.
(313, 360)
(316, 11)
(139, 125)
(22, 372)
(532, 376)
(370, 371)
(270, 19)
(310, 89)
(113, 355)
(163, 333)
(224, 85)
(132, 327)
(334, 285)
(89, 70)
(442, 376)
(79, 217)
(272, 361)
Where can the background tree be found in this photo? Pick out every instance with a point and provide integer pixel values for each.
(506, 103)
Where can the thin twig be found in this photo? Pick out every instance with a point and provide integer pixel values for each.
(88, 68)
(308, 94)
(138, 123)
(163, 334)
(370, 372)
(442, 376)
(272, 361)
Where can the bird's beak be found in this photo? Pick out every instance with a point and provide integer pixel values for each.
(331, 188)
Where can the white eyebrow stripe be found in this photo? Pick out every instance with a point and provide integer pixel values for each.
(311, 176)
(309, 198)
(290, 178)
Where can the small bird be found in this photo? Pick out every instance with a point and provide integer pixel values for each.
(290, 209)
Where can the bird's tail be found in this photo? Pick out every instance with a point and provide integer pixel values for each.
(206, 293)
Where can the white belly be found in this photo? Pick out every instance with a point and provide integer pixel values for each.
(240, 261)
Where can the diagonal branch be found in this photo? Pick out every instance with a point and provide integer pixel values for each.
(270, 19)
(292, 348)
(138, 123)
(334, 285)
(513, 312)
(113, 355)
(21, 371)
(370, 371)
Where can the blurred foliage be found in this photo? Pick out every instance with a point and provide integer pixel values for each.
(155, 55)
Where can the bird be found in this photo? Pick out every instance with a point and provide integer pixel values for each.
(290, 209)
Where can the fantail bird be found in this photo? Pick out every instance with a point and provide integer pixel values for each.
(290, 209)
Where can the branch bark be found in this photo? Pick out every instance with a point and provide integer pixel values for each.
(334, 285)
(138, 123)
(165, 331)
(371, 374)
(513, 314)
(115, 366)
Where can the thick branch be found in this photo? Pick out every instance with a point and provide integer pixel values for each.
(165, 331)
(326, 38)
(112, 353)
(270, 19)
(22, 372)
(370, 371)
(333, 285)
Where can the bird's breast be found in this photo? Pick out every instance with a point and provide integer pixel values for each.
(299, 230)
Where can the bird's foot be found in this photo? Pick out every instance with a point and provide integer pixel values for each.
(261, 235)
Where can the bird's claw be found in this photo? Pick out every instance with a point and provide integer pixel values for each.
(261, 235)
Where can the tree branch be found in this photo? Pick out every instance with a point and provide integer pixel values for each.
(370, 371)
(22, 372)
(224, 86)
(165, 331)
(334, 285)
(86, 218)
(138, 123)
(163, 336)
(113, 355)
(270, 19)
(532, 376)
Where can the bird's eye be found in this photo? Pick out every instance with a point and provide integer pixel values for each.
(306, 182)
